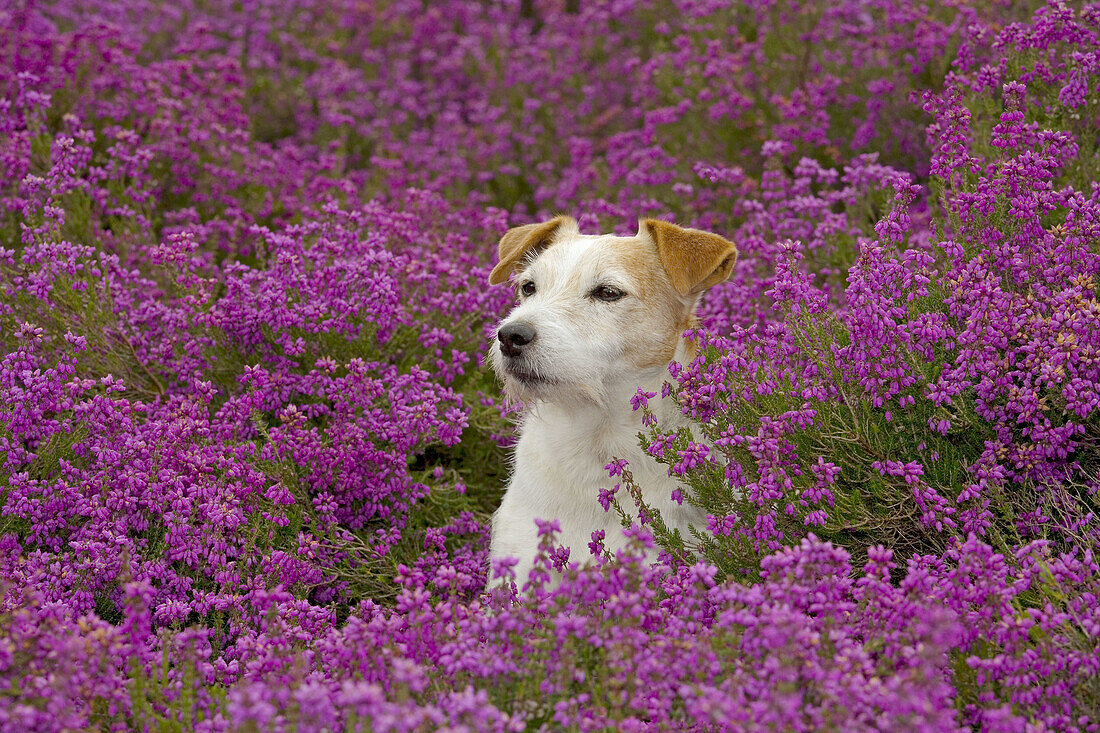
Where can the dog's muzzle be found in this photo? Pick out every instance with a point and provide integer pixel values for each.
(514, 337)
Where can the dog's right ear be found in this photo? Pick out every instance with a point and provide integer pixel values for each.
(518, 242)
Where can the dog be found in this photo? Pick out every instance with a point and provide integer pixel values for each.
(598, 317)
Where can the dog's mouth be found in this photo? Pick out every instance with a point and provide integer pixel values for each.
(526, 377)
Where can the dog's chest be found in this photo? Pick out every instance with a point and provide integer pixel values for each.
(560, 468)
(571, 457)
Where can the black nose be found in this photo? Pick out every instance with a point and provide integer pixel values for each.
(514, 336)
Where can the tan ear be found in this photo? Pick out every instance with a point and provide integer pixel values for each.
(517, 242)
(694, 260)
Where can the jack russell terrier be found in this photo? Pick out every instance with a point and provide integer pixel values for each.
(598, 317)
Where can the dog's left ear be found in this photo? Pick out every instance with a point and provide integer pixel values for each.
(694, 260)
(517, 242)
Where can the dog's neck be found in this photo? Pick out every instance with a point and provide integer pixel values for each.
(590, 419)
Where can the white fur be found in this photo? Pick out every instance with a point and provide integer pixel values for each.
(590, 357)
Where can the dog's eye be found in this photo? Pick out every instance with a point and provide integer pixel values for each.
(527, 288)
(607, 294)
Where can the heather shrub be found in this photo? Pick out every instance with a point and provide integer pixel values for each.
(949, 390)
(951, 394)
(294, 376)
(250, 445)
(492, 102)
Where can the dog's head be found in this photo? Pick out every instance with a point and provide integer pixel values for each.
(596, 311)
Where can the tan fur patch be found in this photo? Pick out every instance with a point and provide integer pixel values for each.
(517, 242)
(695, 260)
(655, 338)
(691, 348)
(639, 257)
